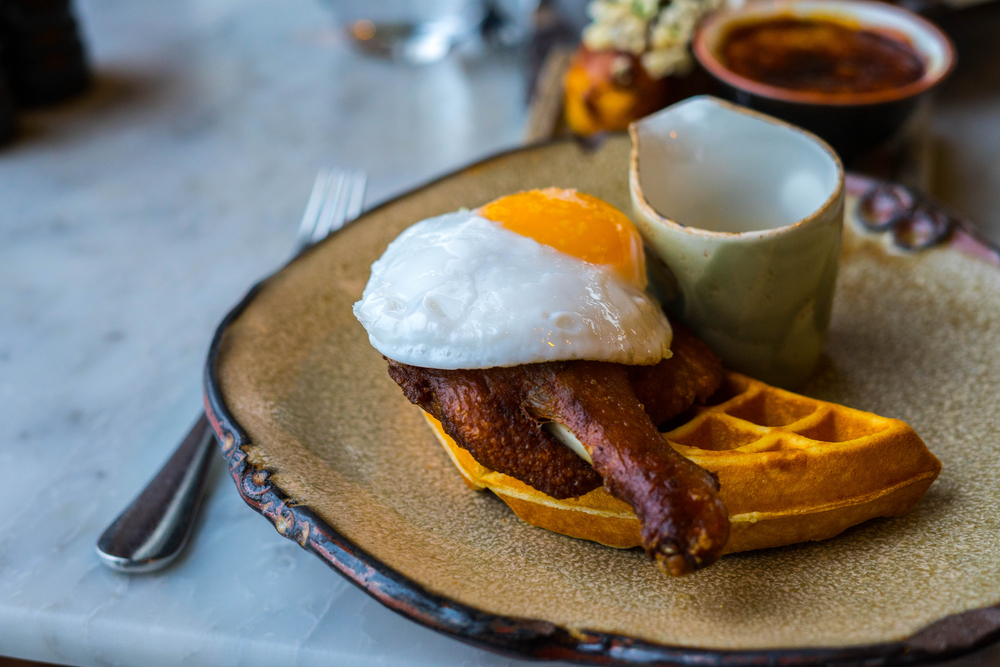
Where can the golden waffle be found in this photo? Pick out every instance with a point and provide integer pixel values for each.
(791, 469)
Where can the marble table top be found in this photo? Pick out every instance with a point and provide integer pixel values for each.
(130, 222)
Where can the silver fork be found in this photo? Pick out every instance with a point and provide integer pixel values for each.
(154, 528)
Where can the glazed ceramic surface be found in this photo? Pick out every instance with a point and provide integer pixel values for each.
(746, 213)
(323, 443)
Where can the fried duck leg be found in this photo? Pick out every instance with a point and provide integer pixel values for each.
(498, 414)
(684, 523)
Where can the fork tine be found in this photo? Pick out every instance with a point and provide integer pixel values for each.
(343, 200)
(336, 199)
(311, 215)
(357, 198)
(331, 205)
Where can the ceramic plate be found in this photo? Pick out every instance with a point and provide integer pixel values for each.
(322, 442)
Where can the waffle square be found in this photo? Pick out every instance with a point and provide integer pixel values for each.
(792, 468)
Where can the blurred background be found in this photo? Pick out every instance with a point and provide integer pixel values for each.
(404, 89)
(439, 82)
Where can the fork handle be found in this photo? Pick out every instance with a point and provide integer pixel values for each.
(153, 529)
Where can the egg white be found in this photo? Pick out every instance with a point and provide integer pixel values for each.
(460, 291)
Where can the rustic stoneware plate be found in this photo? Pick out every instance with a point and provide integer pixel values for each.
(321, 441)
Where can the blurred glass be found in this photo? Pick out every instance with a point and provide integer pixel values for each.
(573, 13)
(417, 31)
(517, 19)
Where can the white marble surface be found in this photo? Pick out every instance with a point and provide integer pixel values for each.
(130, 222)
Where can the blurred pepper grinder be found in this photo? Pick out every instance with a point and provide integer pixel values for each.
(7, 122)
(42, 54)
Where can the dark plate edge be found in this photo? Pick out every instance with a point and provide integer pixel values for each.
(950, 637)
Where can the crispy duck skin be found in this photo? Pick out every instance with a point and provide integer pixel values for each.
(497, 414)
(672, 386)
(482, 410)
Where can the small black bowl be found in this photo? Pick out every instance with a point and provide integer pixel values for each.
(852, 123)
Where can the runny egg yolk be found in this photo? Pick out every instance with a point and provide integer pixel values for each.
(576, 224)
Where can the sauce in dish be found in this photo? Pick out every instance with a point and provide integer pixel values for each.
(820, 55)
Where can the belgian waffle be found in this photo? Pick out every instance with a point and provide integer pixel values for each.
(791, 469)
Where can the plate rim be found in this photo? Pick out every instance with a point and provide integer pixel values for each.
(947, 638)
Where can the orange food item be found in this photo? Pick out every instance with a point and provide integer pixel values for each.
(607, 90)
(791, 469)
